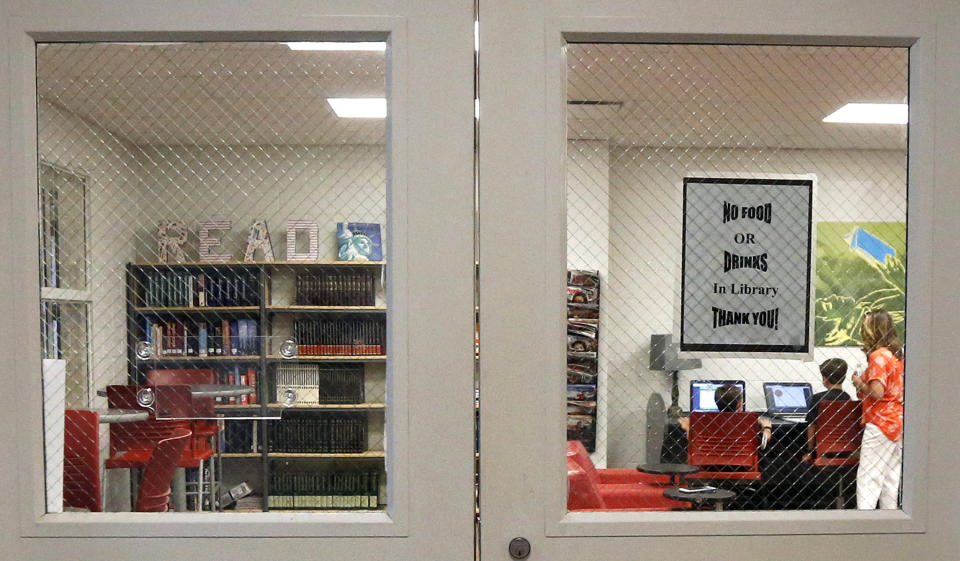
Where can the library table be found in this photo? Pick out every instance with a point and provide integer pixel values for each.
(124, 415)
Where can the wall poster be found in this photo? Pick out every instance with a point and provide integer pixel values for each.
(746, 284)
(860, 266)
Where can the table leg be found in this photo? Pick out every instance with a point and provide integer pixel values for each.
(178, 490)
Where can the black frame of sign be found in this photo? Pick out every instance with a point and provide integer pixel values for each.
(751, 348)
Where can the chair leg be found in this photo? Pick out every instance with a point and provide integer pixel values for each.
(840, 493)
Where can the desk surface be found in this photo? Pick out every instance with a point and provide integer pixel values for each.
(124, 415)
(714, 496)
(668, 469)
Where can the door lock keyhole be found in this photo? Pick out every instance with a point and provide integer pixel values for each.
(519, 548)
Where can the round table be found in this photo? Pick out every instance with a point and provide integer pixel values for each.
(676, 471)
(124, 415)
(700, 498)
(220, 390)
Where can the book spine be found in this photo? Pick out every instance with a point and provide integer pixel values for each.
(252, 381)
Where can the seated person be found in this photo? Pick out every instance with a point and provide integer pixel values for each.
(833, 371)
(729, 399)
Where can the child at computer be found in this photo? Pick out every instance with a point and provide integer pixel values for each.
(832, 372)
(729, 399)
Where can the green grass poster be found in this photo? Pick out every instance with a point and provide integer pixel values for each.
(860, 267)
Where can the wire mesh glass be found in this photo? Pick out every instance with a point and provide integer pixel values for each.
(208, 221)
(644, 120)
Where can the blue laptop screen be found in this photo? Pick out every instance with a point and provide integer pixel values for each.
(787, 397)
(702, 393)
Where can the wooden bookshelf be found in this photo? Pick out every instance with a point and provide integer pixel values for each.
(195, 309)
(329, 358)
(329, 406)
(297, 309)
(273, 321)
(234, 407)
(369, 454)
(178, 358)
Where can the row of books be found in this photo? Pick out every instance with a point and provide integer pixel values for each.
(336, 287)
(210, 289)
(240, 437)
(315, 383)
(202, 338)
(341, 337)
(246, 376)
(314, 432)
(331, 490)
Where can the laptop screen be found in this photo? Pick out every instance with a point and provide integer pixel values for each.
(702, 393)
(787, 397)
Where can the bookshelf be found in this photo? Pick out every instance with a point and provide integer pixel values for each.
(334, 312)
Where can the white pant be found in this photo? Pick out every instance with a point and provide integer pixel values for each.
(878, 477)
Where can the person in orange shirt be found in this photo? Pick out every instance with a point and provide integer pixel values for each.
(881, 389)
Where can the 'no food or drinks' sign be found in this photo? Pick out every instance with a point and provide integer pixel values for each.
(746, 265)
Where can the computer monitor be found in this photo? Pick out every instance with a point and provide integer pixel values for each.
(702, 393)
(787, 397)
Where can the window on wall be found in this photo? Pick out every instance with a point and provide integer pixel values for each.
(229, 242)
(63, 279)
(736, 227)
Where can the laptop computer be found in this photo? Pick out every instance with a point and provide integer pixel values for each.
(702, 393)
(787, 400)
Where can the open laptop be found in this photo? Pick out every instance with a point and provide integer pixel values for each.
(787, 400)
(702, 393)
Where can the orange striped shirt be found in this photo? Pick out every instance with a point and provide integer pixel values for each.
(885, 413)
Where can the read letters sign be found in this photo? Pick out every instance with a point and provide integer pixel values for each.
(746, 265)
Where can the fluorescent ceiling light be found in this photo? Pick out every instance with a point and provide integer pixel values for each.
(359, 107)
(870, 113)
(337, 46)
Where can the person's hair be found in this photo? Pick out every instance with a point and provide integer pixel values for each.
(728, 398)
(833, 370)
(878, 331)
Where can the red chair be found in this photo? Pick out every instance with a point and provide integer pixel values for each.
(837, 437)
(204, 430)
(724, 446)
(81, 460)
(578, 453)
(154, 494)
(132, 444)
(584, 493)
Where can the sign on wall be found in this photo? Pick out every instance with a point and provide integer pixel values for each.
(746, 265)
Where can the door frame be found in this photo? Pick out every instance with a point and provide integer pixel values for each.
(429, 170)
(522, 91)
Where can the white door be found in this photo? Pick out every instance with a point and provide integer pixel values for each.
(592, 115)
(219, 121)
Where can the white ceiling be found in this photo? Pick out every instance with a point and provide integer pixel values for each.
(660, 95)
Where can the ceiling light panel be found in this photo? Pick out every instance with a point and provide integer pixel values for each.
(359, 107)
(870, 113)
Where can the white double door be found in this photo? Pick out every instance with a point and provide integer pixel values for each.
(521, 150)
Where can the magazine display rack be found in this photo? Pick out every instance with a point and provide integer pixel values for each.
(583, 336)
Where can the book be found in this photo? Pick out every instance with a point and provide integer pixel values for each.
(359, 241)
(202, 340)
(252, 382)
